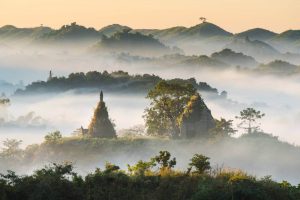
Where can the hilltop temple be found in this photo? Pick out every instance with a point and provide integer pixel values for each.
(196, 120)
(101, 126)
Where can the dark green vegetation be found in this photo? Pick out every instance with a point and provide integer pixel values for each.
(154, 179)
(118, 81)
(167, 104)
(178, 111)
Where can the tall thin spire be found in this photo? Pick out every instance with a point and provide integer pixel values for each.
(50, 76)
(101, 96)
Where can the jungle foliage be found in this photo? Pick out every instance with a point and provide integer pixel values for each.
(151, 180)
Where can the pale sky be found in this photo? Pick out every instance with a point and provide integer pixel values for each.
(232, 15)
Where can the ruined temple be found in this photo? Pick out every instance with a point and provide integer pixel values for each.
(101, 126)
(196, 120)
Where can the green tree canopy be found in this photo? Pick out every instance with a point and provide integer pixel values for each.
(53, 137)
(201, 163)
(164, 160)
(168, 101)
(223, 128)
(249, 118)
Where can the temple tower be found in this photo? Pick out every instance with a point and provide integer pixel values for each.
(101, 126)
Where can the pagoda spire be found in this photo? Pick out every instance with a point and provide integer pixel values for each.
(50, 75)
(101, 96)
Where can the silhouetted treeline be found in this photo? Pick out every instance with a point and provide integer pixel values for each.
(119, 81)
(153, 180)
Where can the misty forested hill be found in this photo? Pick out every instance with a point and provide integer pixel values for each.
(204, 62)
(256, 49)
(279, 67)
(257, 34)
(118, 81)
(110, 30)
(68, 33)
(134, 43)
(200, 31)
(235, 59)
(157, 169)
(259, 154)
(11, 33)
(202, 39)
(288, 41)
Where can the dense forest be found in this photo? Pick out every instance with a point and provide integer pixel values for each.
(153, 179)
(118, 81)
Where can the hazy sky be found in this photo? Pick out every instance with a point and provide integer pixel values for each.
(233, 15)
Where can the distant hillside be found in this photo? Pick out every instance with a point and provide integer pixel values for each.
(204, 38)
(201, 39)
(71, 33)
(133, 43)
(207, 30)
(257, 34)
(204, 61)
(234, 59)
(290, 35)
(279, 67)
(112, 29)
(288, 41)
(118, 81)
(200, 31)
(9, 88)
(219, 60)
(257, 49)
(14, 34)
(164, 34)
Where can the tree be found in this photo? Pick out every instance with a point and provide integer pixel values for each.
(4, 101)
(203, 19)
(201, 163)
(168, 101)
(53, 137)
(11, 148)
(164, 160)
(223, 128)
(249, 117)
(141, 167)
(110, 168)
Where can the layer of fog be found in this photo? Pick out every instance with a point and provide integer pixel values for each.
(278, 97)
(68, 112)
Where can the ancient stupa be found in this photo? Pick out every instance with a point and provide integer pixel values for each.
(196, 120)
(101, 126)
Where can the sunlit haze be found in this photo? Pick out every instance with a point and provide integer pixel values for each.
(233, 15)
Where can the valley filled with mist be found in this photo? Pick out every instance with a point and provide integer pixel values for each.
(52, 78)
